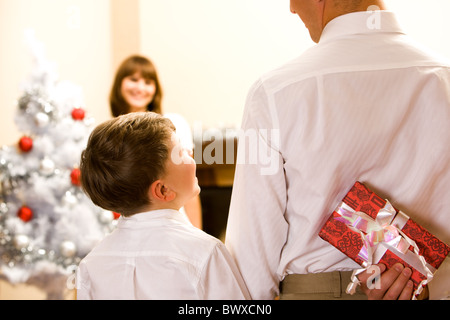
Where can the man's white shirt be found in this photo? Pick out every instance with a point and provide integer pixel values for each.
(367, 103)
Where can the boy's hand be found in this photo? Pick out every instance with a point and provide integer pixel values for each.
(394, 284)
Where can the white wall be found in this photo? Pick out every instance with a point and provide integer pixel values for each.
(77, 36)
(209, 52)
(427, 21)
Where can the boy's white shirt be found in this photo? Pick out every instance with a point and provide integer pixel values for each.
(159, 255)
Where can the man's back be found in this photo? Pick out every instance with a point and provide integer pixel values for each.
(364, 104)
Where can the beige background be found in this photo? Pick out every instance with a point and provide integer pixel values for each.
(208, 52)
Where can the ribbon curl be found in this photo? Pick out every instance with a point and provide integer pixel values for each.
(379, 235)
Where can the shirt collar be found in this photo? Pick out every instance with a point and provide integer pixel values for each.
(154, 217)
(365, 22)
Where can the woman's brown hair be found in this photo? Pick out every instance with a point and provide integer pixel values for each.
(129, 67)
(123, 157)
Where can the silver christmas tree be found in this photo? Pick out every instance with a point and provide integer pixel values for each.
(47, 223)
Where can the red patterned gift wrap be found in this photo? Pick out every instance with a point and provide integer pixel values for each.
(369, 230)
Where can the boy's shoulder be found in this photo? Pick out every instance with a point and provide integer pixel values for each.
(199, 238)
(194, 243)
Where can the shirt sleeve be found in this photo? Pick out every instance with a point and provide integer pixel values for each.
(82, 285)
(220, 279)
(257, 229)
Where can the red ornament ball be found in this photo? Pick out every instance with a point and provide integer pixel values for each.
(25, 214)
(75, 177)
(26, 144)
(78, 114)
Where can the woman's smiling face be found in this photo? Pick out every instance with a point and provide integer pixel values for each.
(138, 92)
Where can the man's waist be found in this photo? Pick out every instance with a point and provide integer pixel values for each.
(327, 285)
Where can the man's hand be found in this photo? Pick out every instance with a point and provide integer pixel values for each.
(394, 284)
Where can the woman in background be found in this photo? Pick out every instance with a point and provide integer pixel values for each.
(136, 88)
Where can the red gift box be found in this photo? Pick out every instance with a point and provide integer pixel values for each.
(369, 230)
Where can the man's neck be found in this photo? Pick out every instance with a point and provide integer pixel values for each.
(333, 10)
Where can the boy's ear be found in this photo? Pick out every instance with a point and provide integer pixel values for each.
(160, 192)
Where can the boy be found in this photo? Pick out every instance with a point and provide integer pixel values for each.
(135, 165)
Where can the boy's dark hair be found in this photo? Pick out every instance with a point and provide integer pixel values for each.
(123, 157)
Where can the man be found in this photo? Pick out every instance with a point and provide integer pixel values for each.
(365, 104)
